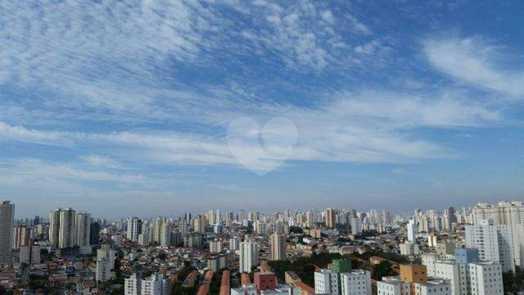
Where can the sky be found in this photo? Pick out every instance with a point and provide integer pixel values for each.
(158, 107)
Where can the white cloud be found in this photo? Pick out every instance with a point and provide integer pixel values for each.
(404, 110)
(101, 59)
(474, 61)
(72, 37)
(35, 171)
(19, 133)
(101, 161)
(99, 55)
(369, 126)
(304, 34)
(108, 60)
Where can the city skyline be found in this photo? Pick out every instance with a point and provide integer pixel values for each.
(475, 250)
(145, 213)
(171, 106)
(329, 210)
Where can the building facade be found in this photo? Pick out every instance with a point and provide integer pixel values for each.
(248, 256)
(7, 215)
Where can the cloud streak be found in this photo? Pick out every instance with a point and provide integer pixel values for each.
(476, 62)
(361, 127)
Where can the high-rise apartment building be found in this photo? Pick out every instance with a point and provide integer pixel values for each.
(165, 233)
(510, 214)
(278, 246)
(393, 286)
(7, 215)
(340, 279)
(30, 254)
(54, 225)
(248, 256)
(413, 280)
(146, 234)
(494, 243)
(356, 282)
(214, 217)
(21, 236)
(132, 285)
(156, 230)
(327, 282)
(234, 243)
(465, 273)
(66, 229)
(105, 263)
(215, 246)
(154, 285)
(432, 287)
(412, 230)
(134, 228)
(485, 279)
(83, 229)
(330, 218)
(356, 226)
(94, 233)
(200, 224)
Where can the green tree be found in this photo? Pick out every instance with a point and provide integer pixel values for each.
(383, 269)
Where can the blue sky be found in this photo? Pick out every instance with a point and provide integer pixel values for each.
(156, 107)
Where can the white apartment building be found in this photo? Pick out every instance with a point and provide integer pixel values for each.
(327, 282)
(248, 256)
(409, 249)
(494, 243)
(67, 229)
(485, 278)
(393, 286)
(356, 226)
(429, 259)
(466, 275)
(215, 246)
(132, 285)
(412, 230)
(278, 246)
(357, 282)
(505, 213)
(154, 285)
(432, 240)
(432, 287)
(234, 244)
(21, 236)
(54, 225)
(134, 225)
(30, 254)
(82, 229)
(165, 233)
(105, 263)
(448, 270)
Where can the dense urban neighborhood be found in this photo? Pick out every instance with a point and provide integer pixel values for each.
(331, 251)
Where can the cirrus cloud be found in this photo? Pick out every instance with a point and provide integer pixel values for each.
(474, 61)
